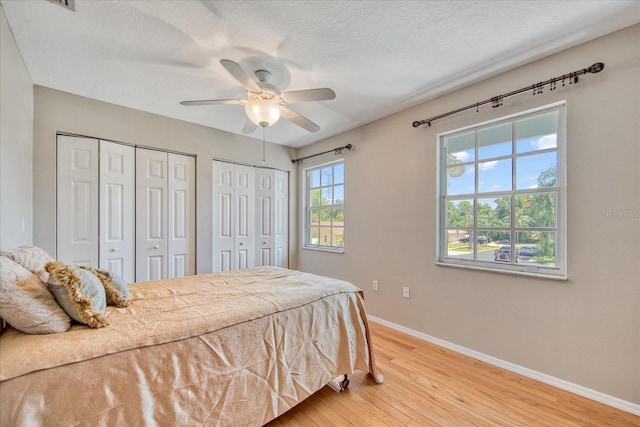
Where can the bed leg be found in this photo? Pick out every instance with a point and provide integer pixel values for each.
(340, 383)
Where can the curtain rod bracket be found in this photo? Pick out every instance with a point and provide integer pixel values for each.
(496, 101)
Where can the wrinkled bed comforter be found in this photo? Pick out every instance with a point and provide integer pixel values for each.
(233, 348)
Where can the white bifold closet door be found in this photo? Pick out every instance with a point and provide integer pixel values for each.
(77, 201)
(233, 216)
(250, 217)
(128, 210)
(165, 215)
(95, 202)
(117, 174)
(272, 196)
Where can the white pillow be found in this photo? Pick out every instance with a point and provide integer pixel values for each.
(32, 258)
(25, 302)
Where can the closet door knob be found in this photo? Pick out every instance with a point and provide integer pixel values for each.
(156, 247)
(112, 250)
(241, 243)
(265, 242)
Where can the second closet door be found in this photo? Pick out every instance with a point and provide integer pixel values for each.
(117, 177)
(151, 214)
(165, 215)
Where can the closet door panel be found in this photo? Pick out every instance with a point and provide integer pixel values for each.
(77, 200)
(244, 216)
(182, 206)
(223, 216)
(281, 220)
(117, 205)
(264, 218)
(151, 215)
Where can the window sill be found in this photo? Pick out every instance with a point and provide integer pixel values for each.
(325, 249)
(505, 271)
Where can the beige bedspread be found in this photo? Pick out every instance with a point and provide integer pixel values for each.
(235, 348)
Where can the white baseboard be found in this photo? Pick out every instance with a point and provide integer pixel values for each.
(530, 373)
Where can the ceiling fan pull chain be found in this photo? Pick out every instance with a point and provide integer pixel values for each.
(263, 146)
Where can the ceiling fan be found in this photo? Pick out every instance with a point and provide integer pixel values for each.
(264, 103)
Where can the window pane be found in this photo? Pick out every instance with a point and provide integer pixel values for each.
(338, 173)
(327, 196)
(459, 244)
(494, 141)
(484, 248)
(325, 216)
(494, 175)
(326, 176)
(314, 233)
(537, 248)
(463, 184)
(337, 215)
(315, 198)
(315, 178)
(536, 210)
(314, 217)
(536, 171)
(338, 194)
(494, 212)
(537, 132)
(338, 236)
(459, 213)
(461, 147)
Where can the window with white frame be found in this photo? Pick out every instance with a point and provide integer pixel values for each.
(502, 194)
(324, 225)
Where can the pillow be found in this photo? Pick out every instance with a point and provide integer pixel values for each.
(79, 293)
(116, 290)
(25, 302)
(32, 258)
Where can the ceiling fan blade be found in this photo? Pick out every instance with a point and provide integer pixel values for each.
(249, 127)
(238, 72)
(296, 96)
(299, 120)
(213, 102)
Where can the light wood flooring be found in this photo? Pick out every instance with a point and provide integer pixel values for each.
(427, 385)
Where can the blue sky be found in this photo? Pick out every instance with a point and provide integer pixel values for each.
(495, 174)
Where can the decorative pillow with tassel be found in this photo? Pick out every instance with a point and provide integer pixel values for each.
(116, 290)
(79, 293)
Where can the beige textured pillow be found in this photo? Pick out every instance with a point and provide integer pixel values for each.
(25, 302)
(32, 258)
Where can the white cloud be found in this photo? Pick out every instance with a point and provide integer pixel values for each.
(547, 141)
(463, 156)
(487, 165)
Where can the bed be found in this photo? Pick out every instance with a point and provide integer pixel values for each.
(234, 348)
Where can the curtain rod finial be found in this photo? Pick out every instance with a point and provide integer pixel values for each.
(596, 68)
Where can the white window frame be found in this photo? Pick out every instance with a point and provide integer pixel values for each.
(560, 270)
(307, 244)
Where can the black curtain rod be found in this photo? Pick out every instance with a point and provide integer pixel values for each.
(496, 101)
(336, 151)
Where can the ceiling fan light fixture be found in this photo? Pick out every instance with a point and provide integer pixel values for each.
(262, 111)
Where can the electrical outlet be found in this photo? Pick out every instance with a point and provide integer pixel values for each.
(405, 292)
(375, 285)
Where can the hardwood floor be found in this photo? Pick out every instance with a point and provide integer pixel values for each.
(427, 385)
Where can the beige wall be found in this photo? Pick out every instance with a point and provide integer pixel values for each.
(585, 330)
(16, 143)
(63, 112)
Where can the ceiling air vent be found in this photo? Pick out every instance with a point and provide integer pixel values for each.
(69, 4)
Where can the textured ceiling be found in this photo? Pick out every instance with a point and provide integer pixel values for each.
(379, 57)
